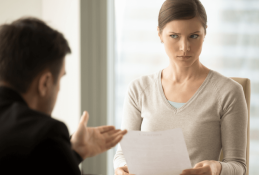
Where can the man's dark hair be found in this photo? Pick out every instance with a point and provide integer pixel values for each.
(27, 47)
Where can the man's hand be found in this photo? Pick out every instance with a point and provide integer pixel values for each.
(90, 141)
(206, 167)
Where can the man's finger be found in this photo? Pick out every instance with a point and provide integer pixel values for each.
(84, 118)
(123, 132)
(116, 135)
(104, 129)
(114, 142)
(112, 132)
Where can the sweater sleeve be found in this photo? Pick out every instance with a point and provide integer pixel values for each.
(234, 132)
(131, 119)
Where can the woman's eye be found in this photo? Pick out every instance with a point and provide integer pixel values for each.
(194, 36)
(174, 36)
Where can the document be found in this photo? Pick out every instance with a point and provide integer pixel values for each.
(155, 153)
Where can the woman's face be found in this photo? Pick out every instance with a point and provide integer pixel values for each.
(183, 41)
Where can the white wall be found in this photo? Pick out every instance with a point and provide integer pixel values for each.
(13, 9)
(62, 15)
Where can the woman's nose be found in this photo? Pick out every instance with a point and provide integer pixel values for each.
(184, 45)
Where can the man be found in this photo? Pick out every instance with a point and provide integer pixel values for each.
(32, 62)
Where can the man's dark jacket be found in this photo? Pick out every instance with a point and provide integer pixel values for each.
(32, 142)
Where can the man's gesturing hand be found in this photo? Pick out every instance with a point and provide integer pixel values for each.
(90, 141)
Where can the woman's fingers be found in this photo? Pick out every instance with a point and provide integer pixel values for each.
(122, 171)
(202, 170)
(198, 165)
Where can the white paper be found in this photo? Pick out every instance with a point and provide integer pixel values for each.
(155, 153)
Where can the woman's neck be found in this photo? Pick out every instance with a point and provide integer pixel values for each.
(179, 74)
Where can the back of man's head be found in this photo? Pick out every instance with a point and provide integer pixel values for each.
(27, 47)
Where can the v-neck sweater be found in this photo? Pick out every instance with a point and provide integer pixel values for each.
(214, 118)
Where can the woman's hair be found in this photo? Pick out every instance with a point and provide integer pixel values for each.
(181, 9)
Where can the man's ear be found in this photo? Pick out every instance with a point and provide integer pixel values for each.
(45, 83)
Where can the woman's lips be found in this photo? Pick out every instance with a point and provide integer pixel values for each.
(184, 57)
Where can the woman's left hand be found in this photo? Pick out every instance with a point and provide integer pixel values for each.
(206, 167)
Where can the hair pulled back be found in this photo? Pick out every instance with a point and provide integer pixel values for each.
(181, 9)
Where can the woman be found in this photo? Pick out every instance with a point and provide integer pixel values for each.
(208, 107)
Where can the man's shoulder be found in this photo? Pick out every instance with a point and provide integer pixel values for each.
(22, 129)
(36, 120)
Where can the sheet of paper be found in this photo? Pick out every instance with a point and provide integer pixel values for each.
(155, 153)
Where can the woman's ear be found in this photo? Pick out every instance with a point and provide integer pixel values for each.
(45, 83)
(159, 34)
(205, 33)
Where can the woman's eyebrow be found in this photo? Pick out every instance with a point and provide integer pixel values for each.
(174, 32)
(180, 33)
(196, 32)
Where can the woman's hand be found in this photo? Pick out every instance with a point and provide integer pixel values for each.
(122, 171)
(90, 141)
(206, 167)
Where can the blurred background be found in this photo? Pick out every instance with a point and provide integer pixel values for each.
(115, 41)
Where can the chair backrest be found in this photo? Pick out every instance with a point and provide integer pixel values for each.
(245, 82)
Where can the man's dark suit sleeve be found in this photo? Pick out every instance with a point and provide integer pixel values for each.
(55, 153)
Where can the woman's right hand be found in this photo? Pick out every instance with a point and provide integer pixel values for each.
(122, 171)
